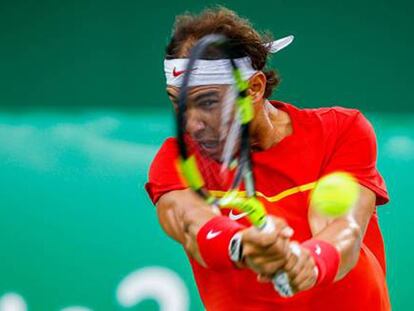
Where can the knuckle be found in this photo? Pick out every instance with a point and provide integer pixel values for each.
(280, 223)
(281, 220)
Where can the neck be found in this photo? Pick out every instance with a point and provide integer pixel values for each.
(269, 126)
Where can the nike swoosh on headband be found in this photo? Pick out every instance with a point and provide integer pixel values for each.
(216, 71)
(177, 73)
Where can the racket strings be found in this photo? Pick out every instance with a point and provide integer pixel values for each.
(229, 129)
(220, 173)
(208, 167)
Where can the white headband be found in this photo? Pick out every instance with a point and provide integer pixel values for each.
(217, 71)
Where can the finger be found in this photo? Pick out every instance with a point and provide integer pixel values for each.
(251, 250)
(263, 261)
(280, 246)
(287, 232)
(267, 268)
(299, 266)
(276, 255)
(303, 276)
(308, 282)
(303, 270)
(254, 236)
(270, 268)
(261, 278)
(282, 227)
(293, 256)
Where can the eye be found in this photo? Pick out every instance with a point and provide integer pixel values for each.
(208, 103)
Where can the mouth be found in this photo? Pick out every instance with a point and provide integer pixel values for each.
(211, 147)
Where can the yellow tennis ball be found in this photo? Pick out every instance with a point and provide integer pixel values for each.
(335, 194)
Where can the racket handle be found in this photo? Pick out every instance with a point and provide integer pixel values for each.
(280, 280)
(281, 284)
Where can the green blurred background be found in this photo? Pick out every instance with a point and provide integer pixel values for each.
(83, 110)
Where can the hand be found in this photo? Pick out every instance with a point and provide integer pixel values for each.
(265, 253)
(300, 267)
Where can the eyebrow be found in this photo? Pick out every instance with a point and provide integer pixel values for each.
(213, 93)
(206, 94)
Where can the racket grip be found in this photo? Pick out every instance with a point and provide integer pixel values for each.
(280, 280)
(281, 284)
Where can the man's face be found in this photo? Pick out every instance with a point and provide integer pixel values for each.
(204, 116)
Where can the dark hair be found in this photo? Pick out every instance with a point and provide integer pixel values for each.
(245, 40)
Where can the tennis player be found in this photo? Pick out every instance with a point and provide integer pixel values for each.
(332, 264)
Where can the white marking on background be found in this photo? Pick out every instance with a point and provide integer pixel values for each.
(91, 139)
(76, 308)
(12, 302)
(160, 284)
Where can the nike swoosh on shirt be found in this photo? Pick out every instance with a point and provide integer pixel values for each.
(318, 250)
(237, 216)
(212, 234)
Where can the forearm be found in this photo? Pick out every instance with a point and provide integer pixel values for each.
(347, 232)
(345, 235)
(181, 215)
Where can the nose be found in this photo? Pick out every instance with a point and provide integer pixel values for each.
(195, 121)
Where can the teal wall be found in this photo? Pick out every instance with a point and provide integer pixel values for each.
(83, 110)
(82, 53)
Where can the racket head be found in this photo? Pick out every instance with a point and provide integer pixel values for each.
(217, 152)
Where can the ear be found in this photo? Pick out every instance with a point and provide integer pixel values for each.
(257, 86)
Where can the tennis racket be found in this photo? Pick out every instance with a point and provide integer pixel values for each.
(214, 142)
